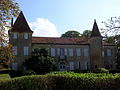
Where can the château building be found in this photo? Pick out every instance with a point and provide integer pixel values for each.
(70, 53)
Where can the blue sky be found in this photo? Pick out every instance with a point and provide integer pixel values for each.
(54, 17)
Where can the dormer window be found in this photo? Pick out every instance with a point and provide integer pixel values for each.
(26, 36)
(15, 35)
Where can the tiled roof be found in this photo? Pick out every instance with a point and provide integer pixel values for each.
(95, 30)
(64, 41)
(21, 24)
(57, 40)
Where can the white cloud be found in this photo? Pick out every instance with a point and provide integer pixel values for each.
(43, 28)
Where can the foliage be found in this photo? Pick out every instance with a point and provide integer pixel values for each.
(8, 9)
(110, 39)
(101, 70)
(112, 26)
(71, 34)
(29, 72)
(4, 76)
(63, 81)
(40, 62)
(6, 56)
(86, 33)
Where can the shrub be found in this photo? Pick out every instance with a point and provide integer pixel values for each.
(102, 70)
(63, 81)
(29, 72)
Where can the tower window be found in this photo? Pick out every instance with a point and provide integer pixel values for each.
(25, 50)
(15, 35)
(15, 50)
(109, 52)
(26, 36)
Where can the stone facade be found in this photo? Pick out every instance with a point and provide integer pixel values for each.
(70, 53)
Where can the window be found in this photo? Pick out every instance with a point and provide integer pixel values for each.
(79, 65)
(58, 51)
(25, 50)
(70, 51)
(14, 66)
(26, 36)
(108, 52)
(65, 51)
(102, 53)
(52, 51)
(15, 50)
(71, 65)
(85, 51)
(78, 52)
(15, 35)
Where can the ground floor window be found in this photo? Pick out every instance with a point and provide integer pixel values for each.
(14, 66)
(71, 64)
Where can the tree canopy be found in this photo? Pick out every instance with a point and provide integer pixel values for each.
(40, 62)
(71, 34)
(86, 33)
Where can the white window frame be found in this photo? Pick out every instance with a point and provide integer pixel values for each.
(78, 50)
(70, 51)
(26, 50)
(26, 35)
(52, 50)
(109, 52)
(86, 50)
(15, 50)
(15, 35)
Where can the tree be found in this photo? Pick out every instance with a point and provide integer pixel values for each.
(6, 56)
(71, 34)
(112, 26)
(8, 10)
(86, 33)
(40, 62)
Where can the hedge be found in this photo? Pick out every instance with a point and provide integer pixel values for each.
(63, 81)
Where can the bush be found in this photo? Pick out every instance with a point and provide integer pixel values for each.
(4, 76)
(29, 72)
(101, 70)
(63, 81)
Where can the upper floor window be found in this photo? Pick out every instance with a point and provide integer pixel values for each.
(85, 51)
(109, 52)
(25, 50)
(15, 50)
(26, 36)
(15, 35)
(52, 51)
(70, 51)
(78, 52)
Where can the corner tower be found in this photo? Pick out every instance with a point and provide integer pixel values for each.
(20, 37)
(96, 47)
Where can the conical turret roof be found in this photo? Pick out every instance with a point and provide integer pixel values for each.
(95, 30)
(21, 24)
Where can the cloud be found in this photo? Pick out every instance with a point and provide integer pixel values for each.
(43, 28)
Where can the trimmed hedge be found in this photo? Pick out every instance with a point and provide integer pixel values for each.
(63, 81)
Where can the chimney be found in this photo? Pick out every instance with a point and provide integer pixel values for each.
(12, 22)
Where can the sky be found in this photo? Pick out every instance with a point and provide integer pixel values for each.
(51, 18)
